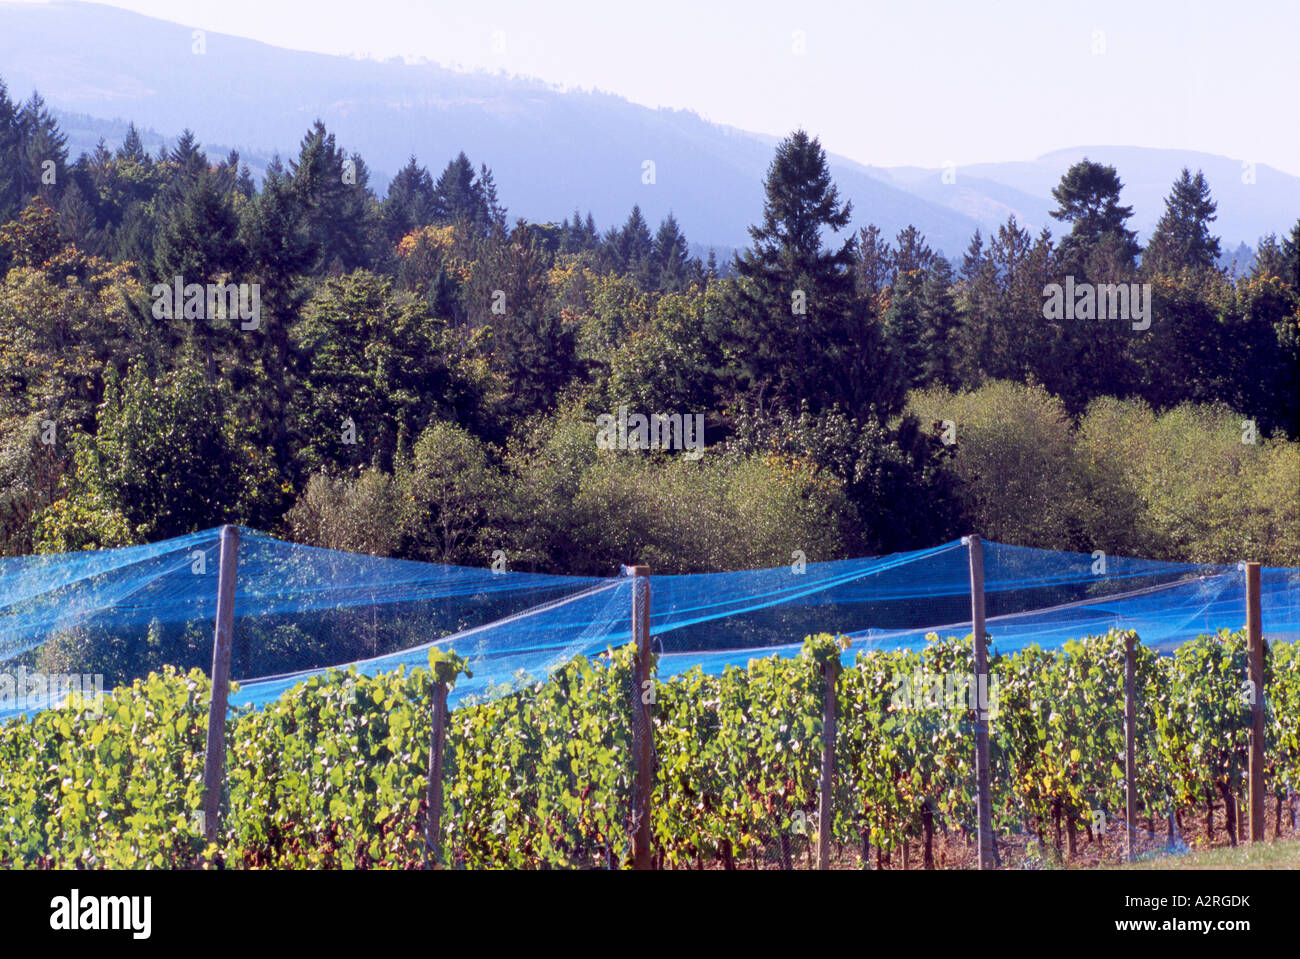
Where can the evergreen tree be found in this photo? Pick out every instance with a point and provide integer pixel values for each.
(42, 143)
(493, 213)
(631, 247)
(533, 349)
(913, 253)
(803, 334)
(1088, 199)
(1290, 259)
(11, 194)
(132, 148)
(670, 258)
(1182, 236)
(200, 243)
(456, 197)
(874, 269)
(942, 322)
(244, 184)
(338, 209)
(77, 219)
(410, 202)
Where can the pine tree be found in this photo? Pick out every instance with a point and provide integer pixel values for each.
(1088, 199)
(1182, 237)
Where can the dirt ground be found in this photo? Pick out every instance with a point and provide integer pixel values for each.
(955, 850)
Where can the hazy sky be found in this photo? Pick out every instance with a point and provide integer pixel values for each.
(903, 82)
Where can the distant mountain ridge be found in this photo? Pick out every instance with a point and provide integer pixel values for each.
(551, 151)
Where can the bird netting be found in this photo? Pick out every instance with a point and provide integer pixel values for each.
(300, 610)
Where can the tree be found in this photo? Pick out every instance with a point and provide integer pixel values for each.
(375, 366)
(874, 269)
(670, 259)
(801, 330)
(410, 202)
(455, 196)
(1182, 237)
(532, 348)
(455, 495)
(494, 213)
(628, 250)
(200, 239)
(1088, 199)
(132, 148)
(33, 239)
(162, 457)
(338, 208)
(11, 198)
(77, 219)
(43, 149)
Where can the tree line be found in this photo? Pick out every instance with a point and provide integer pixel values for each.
(426, 373)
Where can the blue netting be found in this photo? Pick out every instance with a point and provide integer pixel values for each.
(301, 609)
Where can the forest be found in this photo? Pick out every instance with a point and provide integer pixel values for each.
(426, 375)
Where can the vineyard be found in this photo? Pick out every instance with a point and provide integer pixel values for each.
(334, 773)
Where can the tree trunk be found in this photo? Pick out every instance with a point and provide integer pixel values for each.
(785, 852)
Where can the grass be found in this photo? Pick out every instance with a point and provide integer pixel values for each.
(1266, 855)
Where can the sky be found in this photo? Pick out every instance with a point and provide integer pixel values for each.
(906, 82)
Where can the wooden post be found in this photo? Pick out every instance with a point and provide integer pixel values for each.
(1255, 650)
(1130, 746)
(433, 791)
(826, 789)
(984, 798)
(214, 760)
(642, 742)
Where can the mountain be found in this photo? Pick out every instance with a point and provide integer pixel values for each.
(551, 150)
